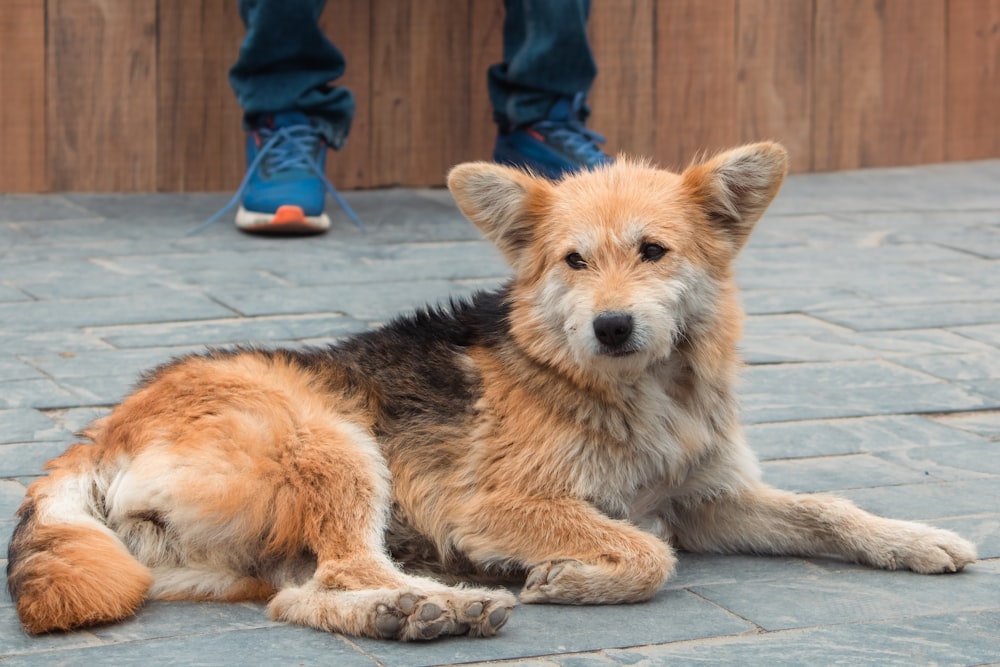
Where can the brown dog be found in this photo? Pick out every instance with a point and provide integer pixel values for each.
(564, 429)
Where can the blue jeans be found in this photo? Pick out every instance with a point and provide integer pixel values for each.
(286, 63)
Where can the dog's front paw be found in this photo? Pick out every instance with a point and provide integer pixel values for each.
(940, 551)
(927, 550)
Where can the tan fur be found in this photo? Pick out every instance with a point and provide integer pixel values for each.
(562, 431)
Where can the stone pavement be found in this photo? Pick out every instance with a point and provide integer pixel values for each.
(873, 343)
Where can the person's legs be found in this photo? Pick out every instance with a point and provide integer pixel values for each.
(286, 63)
(292, 114)
(538, 92)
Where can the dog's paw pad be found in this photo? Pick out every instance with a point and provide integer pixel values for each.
(485, 616)
(412, 616)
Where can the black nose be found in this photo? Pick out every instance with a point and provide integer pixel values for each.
(613, 329)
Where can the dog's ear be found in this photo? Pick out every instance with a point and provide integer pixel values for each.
(502, 201)
(735, 187)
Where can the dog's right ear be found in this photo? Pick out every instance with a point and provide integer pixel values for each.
(502, 201)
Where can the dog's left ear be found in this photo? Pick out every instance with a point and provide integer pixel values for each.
(502, 201)
(735, 187)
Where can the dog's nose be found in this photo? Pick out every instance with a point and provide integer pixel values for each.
(613, 329)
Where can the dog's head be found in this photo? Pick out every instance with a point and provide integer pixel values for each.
(615, 266)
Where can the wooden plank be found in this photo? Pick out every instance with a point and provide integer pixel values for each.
(695, 78)
(439, 63)
(622, 100)
(390, 92)
(349, 26)
(101, 94)
(913, 83)
(22, 78)
(847, 84)
(199, 130)
(774, 75)
(486, 48)
(973, 80)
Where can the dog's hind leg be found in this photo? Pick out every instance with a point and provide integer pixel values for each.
(573, 554)
(341, 505)
(764, 520)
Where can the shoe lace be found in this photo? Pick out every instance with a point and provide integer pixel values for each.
(290, 148)
(573, 136)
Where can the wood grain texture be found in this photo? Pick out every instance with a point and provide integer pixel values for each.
(101, 95)
(133, 95)
(439, 101)
(486, 48)
(349, 27)
(973, 80)
(199, 126)
(774, 84)
(695, 79)
(847, 84)
(913, 83)
(22, 80)
(622, 100)
(390, 92)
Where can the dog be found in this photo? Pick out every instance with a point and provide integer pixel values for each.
(569, 430)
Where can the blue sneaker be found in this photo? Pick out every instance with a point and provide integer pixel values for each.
(286, 156)
(557, 145)
(284, 189)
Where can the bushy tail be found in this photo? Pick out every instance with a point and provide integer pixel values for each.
(65, 568)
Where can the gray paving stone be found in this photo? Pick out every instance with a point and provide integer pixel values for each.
(11, 293)
(960, 639)
(535, 630)
(986, 424)
(40, 393)
(25, 425)
(11, 494)
(852, 436)
(32, 208)
(703, 569)
(108, 363)
(838, 472)
(157, 619)
(923, 316)
(101, 390)
(283, 645)
(27, 458)
(74, 420)
(989, 388)
(956, 366)
(230, 331)
(923, 502)
(13, 368)
(160, 306)
(857, 596)
(791, 300)
(948, 462)
(987, 333)
(982, 530)
(46, 342)
(394, 298)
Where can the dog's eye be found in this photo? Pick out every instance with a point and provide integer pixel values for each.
(576, 261)
(650, 252)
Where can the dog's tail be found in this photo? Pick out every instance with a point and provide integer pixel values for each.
(66, 568)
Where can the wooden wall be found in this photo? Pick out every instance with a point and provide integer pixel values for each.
(132, 95)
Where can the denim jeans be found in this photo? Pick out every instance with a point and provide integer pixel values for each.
(286, 63)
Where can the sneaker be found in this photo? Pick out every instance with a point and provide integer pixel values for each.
(286, 157)
(284, 189)
(557, 145)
